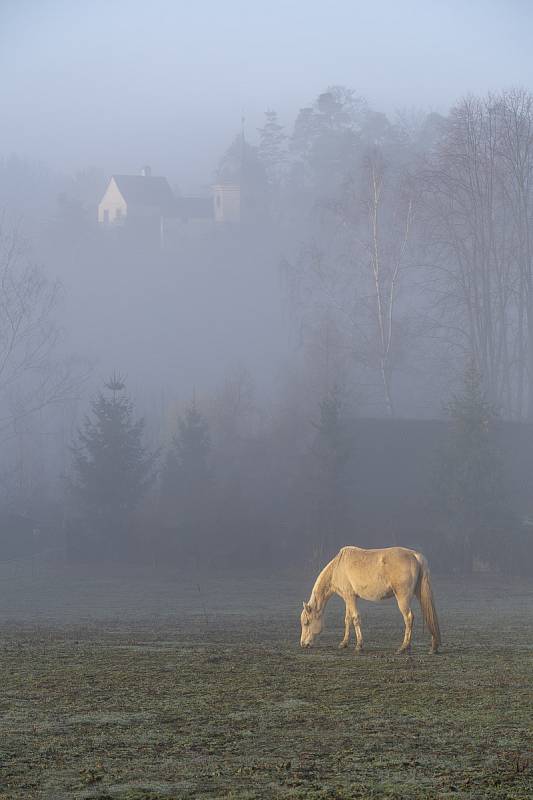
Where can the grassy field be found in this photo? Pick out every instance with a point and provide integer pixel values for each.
(145, 687)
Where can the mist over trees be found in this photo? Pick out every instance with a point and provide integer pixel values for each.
(375, 259)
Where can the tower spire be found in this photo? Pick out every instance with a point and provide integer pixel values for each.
(243, 145)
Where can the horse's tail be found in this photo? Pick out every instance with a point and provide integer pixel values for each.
(427, 602)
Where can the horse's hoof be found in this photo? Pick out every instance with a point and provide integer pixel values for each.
(343, 645)
(402, 651)
(358, 650)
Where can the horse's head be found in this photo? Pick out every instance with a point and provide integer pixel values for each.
(311, 621)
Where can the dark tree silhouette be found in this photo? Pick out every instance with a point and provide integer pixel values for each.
(112, 467)
(331, 452)
(186, 483)
(471, 489)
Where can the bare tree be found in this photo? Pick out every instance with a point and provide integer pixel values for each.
(32, 376)
(354, 274)
(515, 144)
(479, 207)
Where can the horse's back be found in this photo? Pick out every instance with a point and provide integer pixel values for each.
(378, 554)
(378, 572)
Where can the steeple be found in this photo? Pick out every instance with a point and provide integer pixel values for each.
(243, 150)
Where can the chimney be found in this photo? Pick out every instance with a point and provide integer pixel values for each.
(146, 171)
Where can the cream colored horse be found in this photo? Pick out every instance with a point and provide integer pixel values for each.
(372, 575)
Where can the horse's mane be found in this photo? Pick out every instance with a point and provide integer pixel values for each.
(323, 581)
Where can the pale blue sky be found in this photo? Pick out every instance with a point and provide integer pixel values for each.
(123, 82)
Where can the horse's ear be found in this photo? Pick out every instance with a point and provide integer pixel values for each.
(304, 605)
(307, 607)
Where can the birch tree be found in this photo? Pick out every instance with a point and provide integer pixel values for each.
(353, 275)
(388, 221)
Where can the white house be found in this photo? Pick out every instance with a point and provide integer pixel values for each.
(149, 199)
(136, 196)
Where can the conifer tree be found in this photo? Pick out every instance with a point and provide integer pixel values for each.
(331, 452)
(326, 138)
(112, 468)
(187, 478)
(471, 488)
(272, 148)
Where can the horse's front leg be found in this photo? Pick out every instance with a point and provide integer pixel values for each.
(346, 637)
(352, 617)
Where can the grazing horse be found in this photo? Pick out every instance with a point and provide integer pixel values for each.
(372, 575)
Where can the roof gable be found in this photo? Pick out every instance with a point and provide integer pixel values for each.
(112, 194)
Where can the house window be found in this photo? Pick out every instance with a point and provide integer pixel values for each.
(106, 216)
(118, 214)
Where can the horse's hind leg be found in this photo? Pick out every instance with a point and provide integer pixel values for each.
(404, 605)
(357, 628)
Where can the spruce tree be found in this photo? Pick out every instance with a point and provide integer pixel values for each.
(331, 452)
(470, 486)
(186, 484)
(112, 468)
(272, 148)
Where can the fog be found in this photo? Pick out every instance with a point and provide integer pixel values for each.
(266, 280)
(266, 399)
(166, 83)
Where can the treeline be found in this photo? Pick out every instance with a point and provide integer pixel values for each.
(405, 242)
(417, 240)
(404, 252)
(220, 494)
